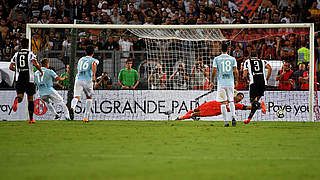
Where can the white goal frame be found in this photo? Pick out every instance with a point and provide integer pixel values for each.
(215, 26)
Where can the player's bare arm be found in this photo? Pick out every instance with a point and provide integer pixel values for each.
(36, 64)
(135, 85)
(61, 78)
(236, 75)
(245, 75)
(94, 70)
(213, 74)
(99, 82)
(269, 71)
(122, 86)
(205, 72)
(150, 78)
(12, 67)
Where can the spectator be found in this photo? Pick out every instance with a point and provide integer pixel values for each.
(83, 42)
(7, 50)
(48, 45)
(126, 46)
(200, 75)
(275, 18)
(115, 17)
(283, 4)
(180, 78)
(43, 19)
(247, 52)
(238, 54)
(66, 48)
(304, 80)
(103, 82)
(297, 74)
(35, 10)
(285, 77)
(56, 40)
(135, 20)
(4, 29)
(52, 20)
(303, 55)
(97, 45)
(62, 11)
(152, 13)
(269, 53)
(128, 77)
(36, 43)
(110, 44)
(232, 7)
(65, 83)
(3, 12)
(123, 20)
(125, 12)
(49, 7)
(157, 79)
(148, 21)
(242, 84)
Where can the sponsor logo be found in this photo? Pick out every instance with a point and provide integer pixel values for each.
(40, 107)
(6, 108)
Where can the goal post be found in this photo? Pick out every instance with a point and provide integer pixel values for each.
(195, 34)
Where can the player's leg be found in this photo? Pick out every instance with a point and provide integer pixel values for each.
(78, 88)
(188, 115)
(224, 114)
(18, 99)
(31, 108)
(191, 113)
(254, 91)
(31, 90)
(88, 90)
(222, 97)
(230, 98)
(56, 98)
(50, 106)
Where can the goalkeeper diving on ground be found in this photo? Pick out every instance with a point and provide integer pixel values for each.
(213, 108)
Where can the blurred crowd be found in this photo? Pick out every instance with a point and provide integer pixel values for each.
(291, 47)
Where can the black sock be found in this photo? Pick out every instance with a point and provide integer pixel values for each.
(254, 107)
(30, 109)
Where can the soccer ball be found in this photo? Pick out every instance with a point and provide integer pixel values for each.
(280, 113)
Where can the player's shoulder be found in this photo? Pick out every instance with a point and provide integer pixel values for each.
(123, 70)
(137, 71)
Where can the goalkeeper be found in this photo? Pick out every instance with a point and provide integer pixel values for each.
(213, 108)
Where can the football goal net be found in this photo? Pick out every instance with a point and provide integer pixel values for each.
(174, 63)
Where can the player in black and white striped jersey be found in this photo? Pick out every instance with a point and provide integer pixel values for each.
(256, 69)
(22, 63)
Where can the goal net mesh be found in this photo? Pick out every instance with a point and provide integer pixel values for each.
(180, 60)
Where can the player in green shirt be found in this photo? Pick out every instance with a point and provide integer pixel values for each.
(65, 83)
(303, 55)
(128, 77)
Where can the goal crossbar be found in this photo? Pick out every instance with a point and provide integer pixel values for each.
(215, 26)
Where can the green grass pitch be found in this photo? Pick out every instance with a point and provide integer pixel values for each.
(159, 150)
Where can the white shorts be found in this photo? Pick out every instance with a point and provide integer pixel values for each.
(225, 93)
(54, 97)
(85, 86)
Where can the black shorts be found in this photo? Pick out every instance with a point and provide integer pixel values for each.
(256, 90)
(26, 87)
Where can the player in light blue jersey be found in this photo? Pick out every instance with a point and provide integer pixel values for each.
(46, 91)
(85, 79)
(225, 66)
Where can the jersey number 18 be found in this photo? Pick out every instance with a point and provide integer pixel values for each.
(226, 66)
